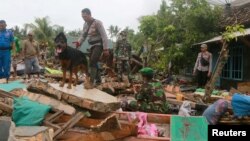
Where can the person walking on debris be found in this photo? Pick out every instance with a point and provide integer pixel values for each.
(6, 44)
(30, 51)
(98, 40)
(122, 55)
(203, 66)
(150, 97)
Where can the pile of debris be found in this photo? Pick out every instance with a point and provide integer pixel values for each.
(41, 110)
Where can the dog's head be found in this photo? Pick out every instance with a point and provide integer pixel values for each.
(60, 43)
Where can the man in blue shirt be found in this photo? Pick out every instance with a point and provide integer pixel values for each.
(6, 44)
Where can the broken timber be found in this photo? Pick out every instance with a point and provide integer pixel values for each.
(68, 124)
(92, 99)
(6, 107)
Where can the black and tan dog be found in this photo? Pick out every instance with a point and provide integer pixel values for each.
(71, 59)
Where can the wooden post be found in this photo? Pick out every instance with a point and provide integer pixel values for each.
(222, 60)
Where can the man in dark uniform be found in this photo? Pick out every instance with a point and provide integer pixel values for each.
(122, 55)
(150, 97)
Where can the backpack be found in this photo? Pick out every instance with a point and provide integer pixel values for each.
(203, 61)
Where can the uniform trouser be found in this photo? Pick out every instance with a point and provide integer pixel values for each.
(5, 63)
(202, 78)
(95, 54)
(123, 67)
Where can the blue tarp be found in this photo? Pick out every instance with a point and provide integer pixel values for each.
(12, 85)
(241, 105)
(28, 113)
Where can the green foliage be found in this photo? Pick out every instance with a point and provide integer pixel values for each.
(230, 32)
(176, 27)
(113, 32)
(75, 33)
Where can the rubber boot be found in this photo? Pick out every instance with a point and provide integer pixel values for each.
(89, 82)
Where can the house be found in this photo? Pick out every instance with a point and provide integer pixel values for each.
(237, 67)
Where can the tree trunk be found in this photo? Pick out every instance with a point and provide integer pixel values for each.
(222, 60)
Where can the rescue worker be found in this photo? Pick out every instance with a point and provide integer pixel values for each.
(150, 96)
(122, 55)
(30, 52)
(203, 66)
(6, 44)
(98, 40)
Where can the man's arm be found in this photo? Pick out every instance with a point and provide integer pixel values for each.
(103, 35)
(23, 52)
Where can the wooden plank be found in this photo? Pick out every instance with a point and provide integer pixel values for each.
(110, 122)
(6, 107)
(127, 129)
(92, 99)
(6, 94)
(154, 138)
(68, 125)
(151, 117)
(136, 62)
(55, 116)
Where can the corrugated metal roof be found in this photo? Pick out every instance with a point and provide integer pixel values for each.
(218, 38)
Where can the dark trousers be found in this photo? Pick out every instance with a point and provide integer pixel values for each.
(202, 78)
(95, 54)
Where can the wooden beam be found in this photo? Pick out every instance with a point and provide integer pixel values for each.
(6, 94)
(6, 107)
(68, 125)
(127, 130)
(151, 117)
(110, 122)
(137, 62)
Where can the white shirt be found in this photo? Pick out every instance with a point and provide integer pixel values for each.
(207, 56)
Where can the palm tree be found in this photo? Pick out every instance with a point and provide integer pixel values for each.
(57, 29)
(43, 31)
(113, 32)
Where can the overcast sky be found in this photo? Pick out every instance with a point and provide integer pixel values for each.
(67, 13)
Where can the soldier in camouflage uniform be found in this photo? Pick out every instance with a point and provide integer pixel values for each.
(150, 97)
(122, 55)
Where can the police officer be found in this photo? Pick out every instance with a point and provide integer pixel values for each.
(6, 44)
(122, 55)
(97, 38)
